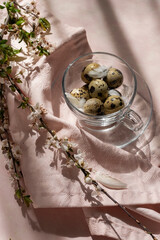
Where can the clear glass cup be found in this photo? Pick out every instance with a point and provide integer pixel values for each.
(124, 126)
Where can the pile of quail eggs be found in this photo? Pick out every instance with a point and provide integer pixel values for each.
(99, 95)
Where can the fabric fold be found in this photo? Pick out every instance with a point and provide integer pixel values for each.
(112, 222)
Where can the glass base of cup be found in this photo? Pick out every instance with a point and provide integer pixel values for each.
(119, 133)
(96, 128)
(116, 134)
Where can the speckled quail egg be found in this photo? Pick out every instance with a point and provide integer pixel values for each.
(114, 78)
(84, 75)
(98, 89)
(81, 92)
(93, 106)
(113, 104)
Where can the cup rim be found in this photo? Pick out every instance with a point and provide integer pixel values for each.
(110, 115)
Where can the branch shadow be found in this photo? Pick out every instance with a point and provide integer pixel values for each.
(73, 174)
(116, 31)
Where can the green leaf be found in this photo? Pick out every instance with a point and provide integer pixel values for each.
(3, 41)
(10, 27)
(2, 7)
(11, 8)
(24, 36)
(27, 200)
(3, 73)
(45, 25)
(16, 51)
(42, 51)
(22, 105)
(19, 194)
(12, 88)
(1, 95)
(8, 69)
(18, 80)
(32, 34)
(20, 21)
(1, 113)
(3, 46)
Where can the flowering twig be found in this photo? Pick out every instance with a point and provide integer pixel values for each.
(11, 151)
(27, 10)
(14, 25)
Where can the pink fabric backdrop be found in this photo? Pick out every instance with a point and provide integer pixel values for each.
(49, 184)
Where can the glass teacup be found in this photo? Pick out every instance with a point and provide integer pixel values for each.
(123, 126)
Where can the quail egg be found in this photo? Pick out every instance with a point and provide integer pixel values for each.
(84, 75)
(114, 78)
(81, 92)
(113, 104)
(98, 89)
(93, 106)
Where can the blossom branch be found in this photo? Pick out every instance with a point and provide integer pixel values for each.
(15, 25)
(27, 10)
(11, 151)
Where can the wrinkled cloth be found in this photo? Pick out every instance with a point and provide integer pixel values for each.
(49, 182)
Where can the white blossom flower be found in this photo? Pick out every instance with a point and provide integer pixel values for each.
(37, 113)
(70, 163)
(33, 116)
(52, 141)
(97, 193)
(9, 165)
(64, 146)
(56, 144)
(52, 49)
(73, 144)
(5, 154)
(6, 126)
(1, 129)
(4, 143)
(2, 80)
(88, 180)
(16, 151)
(81, 162)
(79, 155)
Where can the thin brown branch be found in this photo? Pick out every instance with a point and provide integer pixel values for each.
(125, 210)
(8, 138)
(2, 32)
(18, 5)
(20, 92)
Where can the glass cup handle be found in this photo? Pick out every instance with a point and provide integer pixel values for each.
(132, 120)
